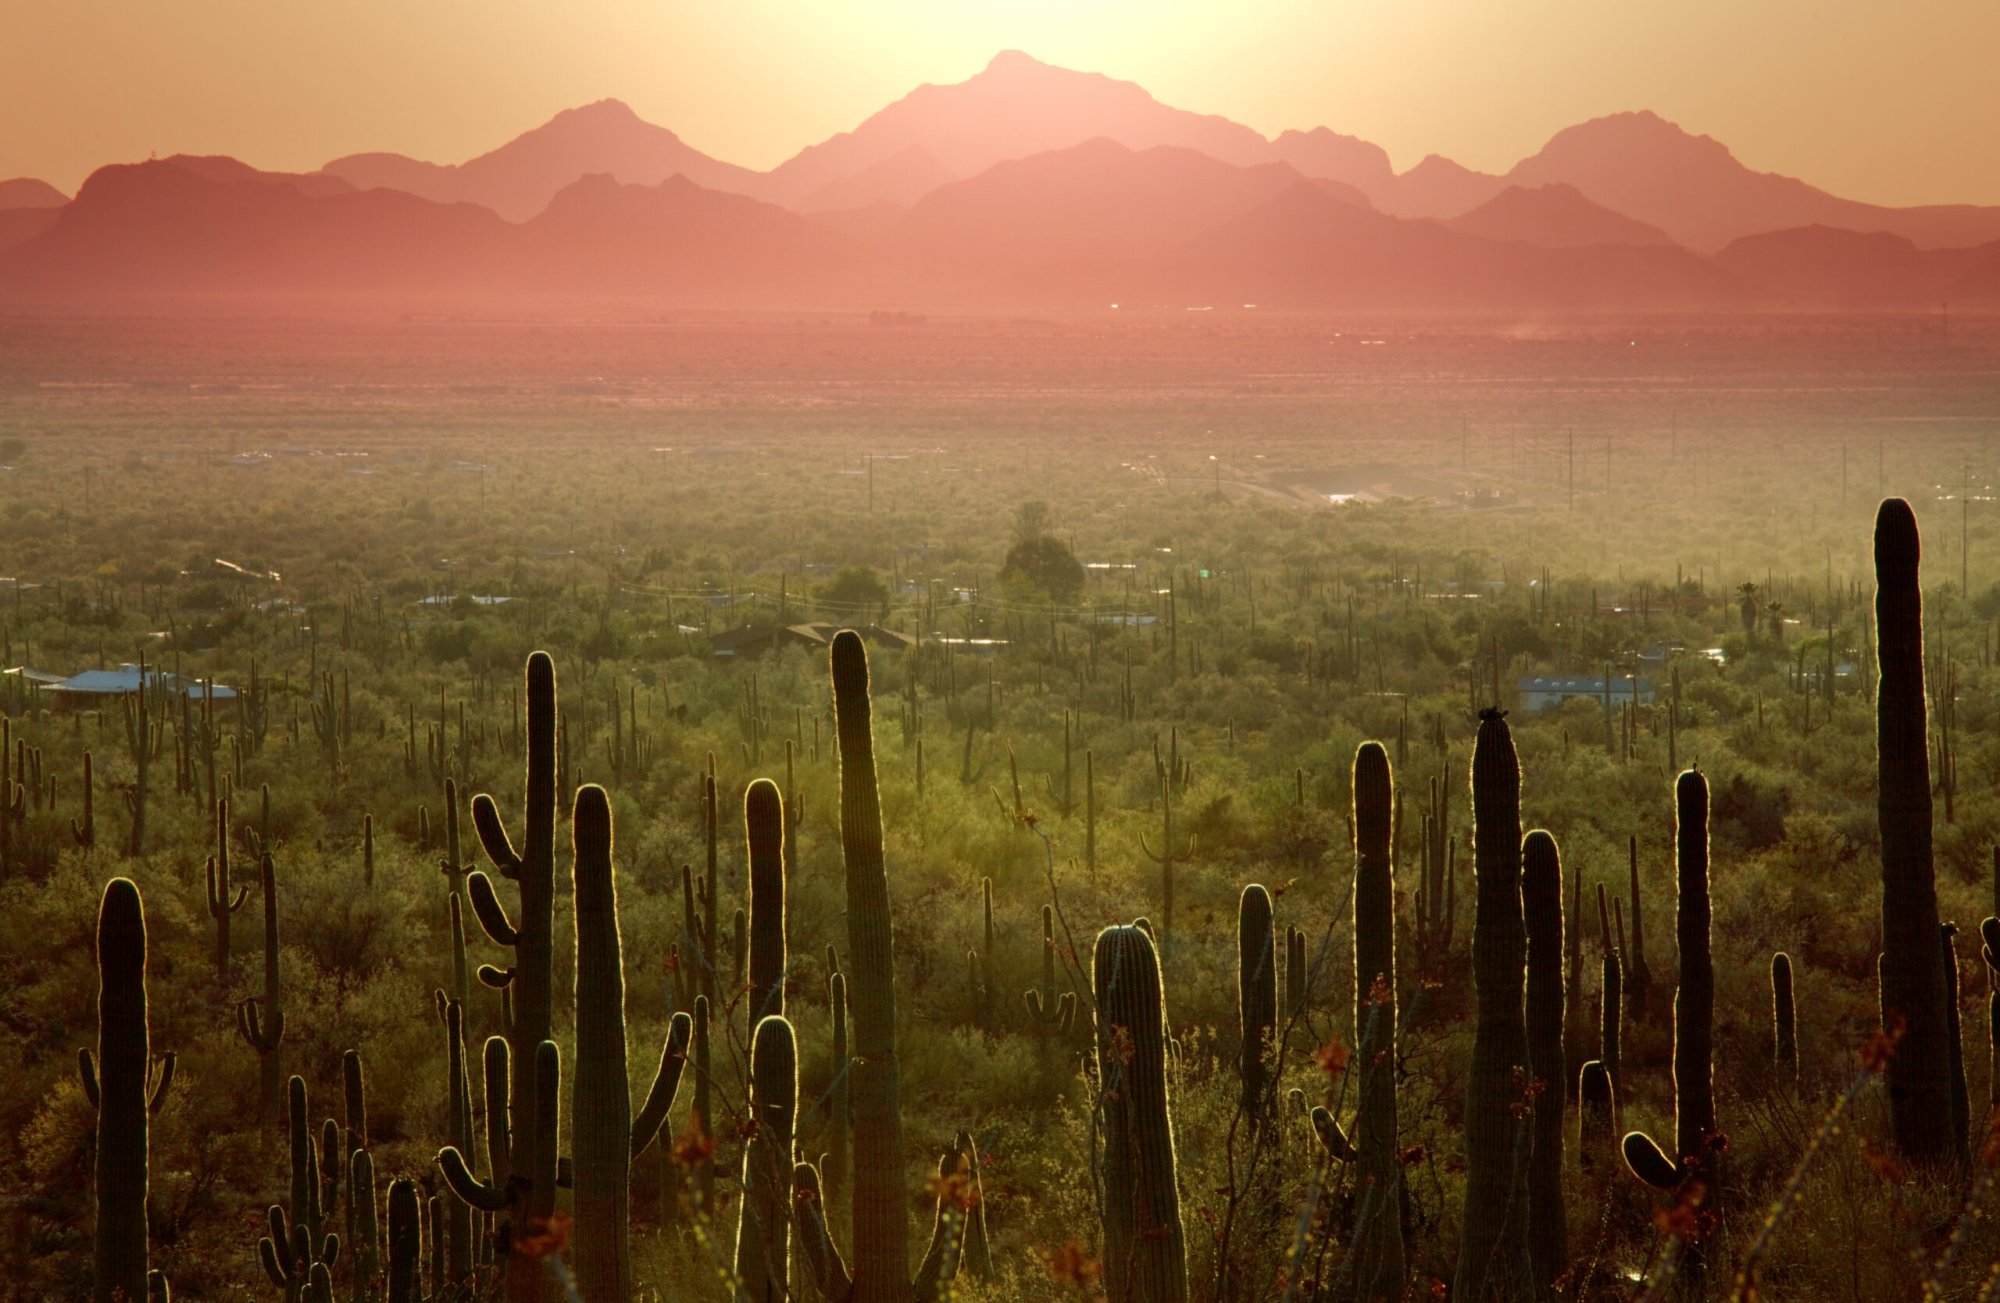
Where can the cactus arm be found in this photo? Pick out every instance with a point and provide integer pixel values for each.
(274, 1269)
(157, 1100)
(941, 1255)
(1650, 1163)
(666, 1084)
(493, 836)
(490, 1198)
(496, 978)
(491, 913)
(1331, 1137)
(823, 1261)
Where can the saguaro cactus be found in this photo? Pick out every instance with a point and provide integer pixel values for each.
(1378, 1242)
(221, 905)
(1638, 978)
(880, 1225)
(117, 1085)
(261, 1021)
(406, 1244)
(1597, 1116)
(1911, 974)
(601, 1112)
(529, 978)
(1145, 1248)
(1694, 1007)
(1257, 1005)
(1784, 1024)
(763, 1223)
(764, 834)
(1493, 1250)
(1961, 1104)
(606, 1136)
(298, 1246)
(1542, 908)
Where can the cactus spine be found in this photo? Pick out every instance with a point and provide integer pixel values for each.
(1145, 1250)
(1492, 1258)
(1378, 1248)
(1257, 1006)
(1542, 909)
(261, 1022)
(763, 1223)
(116, 1084)
(1912, 978)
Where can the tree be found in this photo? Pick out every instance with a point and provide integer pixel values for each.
(1748, 594)
(1044, 564)
(1031, 521)
(855, 592)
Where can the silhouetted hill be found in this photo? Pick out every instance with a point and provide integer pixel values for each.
(1822, 268)
(1555, 216)
(1438, 187)
(1323, 152)
(1695, 190)
(518, 179)
(1072, 212)
(1307, 248)
(215, 226)
(29, 192)
(681, 241)
(1015, 107)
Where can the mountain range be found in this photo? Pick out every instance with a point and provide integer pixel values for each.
(1023, 185)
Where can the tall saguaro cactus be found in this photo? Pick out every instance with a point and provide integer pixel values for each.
(529, 978)
(1257, 1005)
(601, 1115)
(1912, 974)
(261, 1021)
(1378, 1248)
(117, 1083)
(607, 1138)
(763, 1223)
(1145, 1246)
(221, 904)
(1493, 1249)
(764, 834)
(880, 1224)
(1542, 908)
(1694, 1007)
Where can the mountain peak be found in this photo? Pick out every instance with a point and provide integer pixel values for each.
(1014, 61)
(607, 110)
(29, 192)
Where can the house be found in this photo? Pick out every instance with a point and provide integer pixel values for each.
(756, 639)
(96, 687)
(1547, 693)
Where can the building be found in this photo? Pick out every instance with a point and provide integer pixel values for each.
(1547, 693)
(96, 687)
(756, 639)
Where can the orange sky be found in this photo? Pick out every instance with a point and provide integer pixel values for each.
(1891, 103)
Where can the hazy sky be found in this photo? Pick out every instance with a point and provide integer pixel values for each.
(1896, 103)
